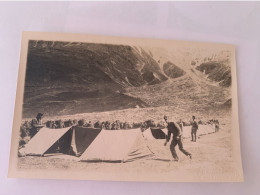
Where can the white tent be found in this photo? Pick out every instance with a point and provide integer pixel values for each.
(117, 146)
(73, 140)
(43, 140)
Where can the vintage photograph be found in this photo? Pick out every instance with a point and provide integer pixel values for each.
(92, 107)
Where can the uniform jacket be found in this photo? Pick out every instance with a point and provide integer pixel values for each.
(173, 128)
(194, 125)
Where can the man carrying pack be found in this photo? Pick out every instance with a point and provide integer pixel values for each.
(173, 128)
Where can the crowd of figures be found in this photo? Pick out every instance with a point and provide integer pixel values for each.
(108, 125)
(116, 125)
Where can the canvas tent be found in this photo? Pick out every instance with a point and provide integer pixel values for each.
(70, 140)
(207, 129)
(155, 133)
(43, 140)
(117, 146)
(202, 130)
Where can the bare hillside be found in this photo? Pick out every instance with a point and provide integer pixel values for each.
(69, 78)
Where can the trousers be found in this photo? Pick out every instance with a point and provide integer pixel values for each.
(180, 144)
(194, 134)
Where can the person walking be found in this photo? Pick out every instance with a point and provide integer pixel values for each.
(173, 128)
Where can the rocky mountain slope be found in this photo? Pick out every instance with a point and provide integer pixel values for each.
(217, 71)
(64, 78)
(86, 63)
(84, 76)
(172, 71)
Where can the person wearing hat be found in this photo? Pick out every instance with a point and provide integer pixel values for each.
(194, 128)
(173, 128)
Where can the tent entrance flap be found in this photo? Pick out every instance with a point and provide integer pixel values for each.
(62, 145)
(82, 137)
(155, 133)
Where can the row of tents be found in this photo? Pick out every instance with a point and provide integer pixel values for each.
(91, 144)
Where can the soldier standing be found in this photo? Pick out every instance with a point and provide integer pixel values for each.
(194, 128)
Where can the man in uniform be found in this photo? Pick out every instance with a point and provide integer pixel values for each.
(194, 128)
(173, 128)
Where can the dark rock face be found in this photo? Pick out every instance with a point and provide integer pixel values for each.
(173, 71)
(65, 78)
(59, 62)
(217, 71)
(79, 74)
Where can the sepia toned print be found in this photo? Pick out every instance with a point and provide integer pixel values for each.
(111, 108)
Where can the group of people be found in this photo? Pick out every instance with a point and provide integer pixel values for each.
(176, 130)
(173, 128)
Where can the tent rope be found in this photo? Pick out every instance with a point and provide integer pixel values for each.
(148, 146)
